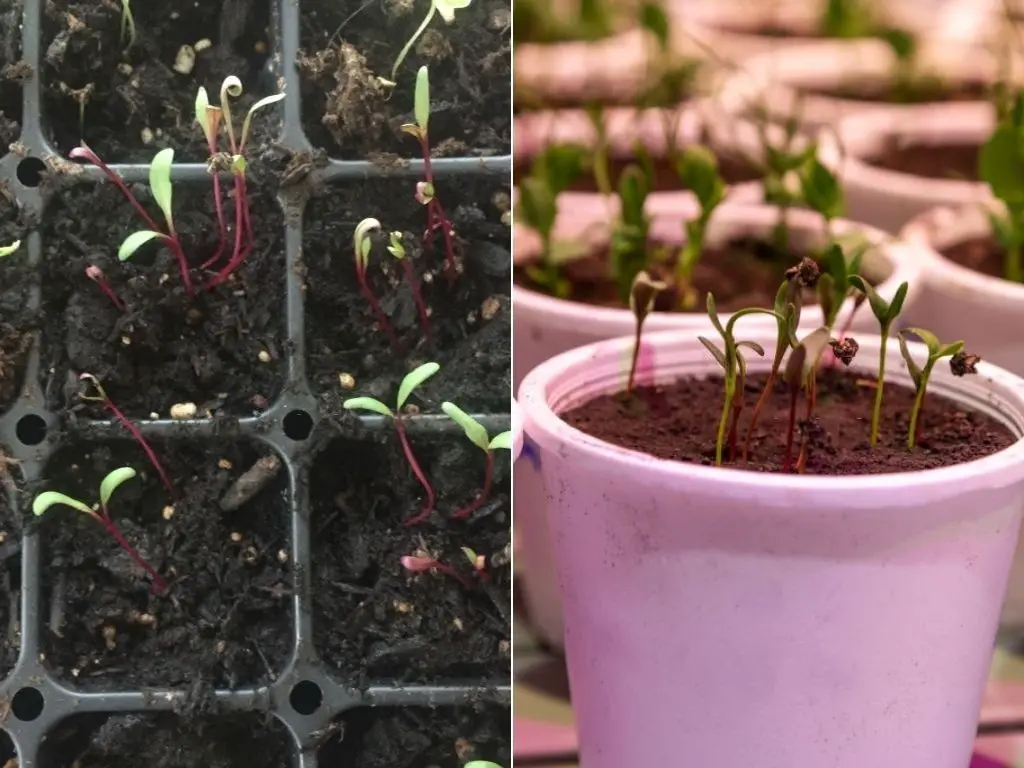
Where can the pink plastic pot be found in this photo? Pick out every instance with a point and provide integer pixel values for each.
(517, 430)
(782, 80)
(888, 199)
(544, 327)
(718, 617)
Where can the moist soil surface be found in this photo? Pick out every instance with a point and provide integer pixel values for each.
(924, 92)
(225, 620)
(742, 273)
(167, 347)
(732, 169)
(415, 737)
(10, 578)
(930, 161)
(470, 323)
(168, 741)
(17, 319)
(129, 90)
(373, 620)
(982, 254)
(347, 45)
(680, 422)
(12, 72)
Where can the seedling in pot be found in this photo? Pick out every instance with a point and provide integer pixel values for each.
(821, 192)
(846, 19)
(801, 374)
(423, 564)
(886, 314)
(411, 381)
(628, 250)
(478, 436)
(101, 396)
(397, 249)
(426, 192)
(447, 9)
(780, 165)
(921, 374)
(734, 369)
(641, 302)
(1001, 166)
(101, 514)
(698, 172)
(362, 245)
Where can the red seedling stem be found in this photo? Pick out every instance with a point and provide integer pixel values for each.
(415, 564)
(378, 311)
(243, 228)
(95, 274)
(159, 585)
(428, 507)
(436, 217)
(482, 496)
(414, 286)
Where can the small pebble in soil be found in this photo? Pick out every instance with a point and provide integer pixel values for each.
(264, 356)
(347, 381)
(224, 463)
(183, 411)
(236, 536)
(168, 512)
(282, 556)
(490, 307)
(185, 60)
(202, 45)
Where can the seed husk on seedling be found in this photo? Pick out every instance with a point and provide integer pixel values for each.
(1001, 166)
(423, 564)
(477, 435)
(101, 514)
(642, 296)
(426, 191)
(886, 314)
(361, 247)
(921, 374)
(801, 373)
(409, 384)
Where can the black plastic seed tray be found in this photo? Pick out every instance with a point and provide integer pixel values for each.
(306, 698)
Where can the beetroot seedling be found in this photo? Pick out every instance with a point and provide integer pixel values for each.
(102, 397)
(397, 249)
(478, 436)
(698, 172)
(921, 374)
(100, 512)
(641, 302)
(95, 274)
(886, 313)
(447, 9)
(422, 564)
(411, 381)
(426, 192)
(801, 373)
(361, 247)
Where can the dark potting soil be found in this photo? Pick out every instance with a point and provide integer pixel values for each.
(129, 90)
(347, 45)
(470, 318)
(10, 575)
(12, 72)
(742, 273)
(168, 347)
(982, 254)
(373, 620)
(225, 620)
(680, 422)
(733, 169)
(924, 91)
(930, 161)
(447, 737)
(17, 320)
(168, 741)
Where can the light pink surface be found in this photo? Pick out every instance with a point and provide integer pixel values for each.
(888, 199)
(717, 617)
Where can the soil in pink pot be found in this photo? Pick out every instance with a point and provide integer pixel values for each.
(930, 161)
(678, 421)
(982, 254)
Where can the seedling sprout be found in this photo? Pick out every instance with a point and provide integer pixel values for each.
(127, 24)
(801, 374)
(95, 274)
(641, 302)
(477, 435)
(424, 564)
(886, 313)
(628, 250)
(100, 512)
(698, 171)
(921, 374)
(361, 247)
(426, 193)
(397, 249)
(447, 9)
(1001, 166)
(409, 384)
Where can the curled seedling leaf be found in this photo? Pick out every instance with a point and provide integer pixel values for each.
(7, 250)
(642, 296)
(921, 374)
(697, 168)
(160, 184)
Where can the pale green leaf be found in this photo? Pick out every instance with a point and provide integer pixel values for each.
(367, 404)
(112, 482)
(202, 102)
(929, 339)
(160, 182)
(501, 440)
(412, 380)
(266, 101)
(481, 764)
(474, 429)
(47, 499)
(7, 250)
(447, 8)
(421, 103)
(134, 241)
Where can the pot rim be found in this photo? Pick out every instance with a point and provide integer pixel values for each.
(544, 393)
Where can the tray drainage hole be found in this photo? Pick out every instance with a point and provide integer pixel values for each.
(298, 425)
(306, 697)
(30, 171)
(31, 429)
(27, 704)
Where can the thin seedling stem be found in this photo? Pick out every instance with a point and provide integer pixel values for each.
(631, 382)
(417, 296)
(720, 440)
(382, 318)
(95, 274)
(410, 457)
(475, 504)
(876, 414)
(914, 432)
(765, 393)
(159, 585)
(436, 217)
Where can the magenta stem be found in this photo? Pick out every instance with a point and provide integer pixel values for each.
(137, 435)
(410, 457)
(159, 585)
(447, 569)
(414, 285)
(222, 227)
(482, 496)
(109, 293)
(436, 218)
(378, 310)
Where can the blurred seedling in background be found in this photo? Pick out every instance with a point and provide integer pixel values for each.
(409, 384)
(1001, 166)
(698, 172)
(477, 435)
(644, 293)
(426, 191)
(101, 514)
(628, 248)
